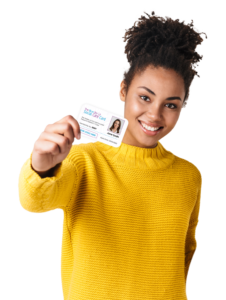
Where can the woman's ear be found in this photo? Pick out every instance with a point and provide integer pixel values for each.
(122, 92)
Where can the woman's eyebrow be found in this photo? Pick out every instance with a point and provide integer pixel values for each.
(151, 92)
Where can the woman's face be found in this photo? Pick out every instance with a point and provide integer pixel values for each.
(154, 98)
(116, 124)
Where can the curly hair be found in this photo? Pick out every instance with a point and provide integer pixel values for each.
(162, 42)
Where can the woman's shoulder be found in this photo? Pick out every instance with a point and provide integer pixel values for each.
(187, 166)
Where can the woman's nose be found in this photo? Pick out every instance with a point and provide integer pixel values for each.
(155, 113)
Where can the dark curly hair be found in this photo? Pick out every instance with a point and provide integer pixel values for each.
(162, 42)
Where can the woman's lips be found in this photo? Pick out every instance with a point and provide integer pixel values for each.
(149, 132)
(149, 123)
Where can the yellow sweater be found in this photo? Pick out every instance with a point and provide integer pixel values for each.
(130, 216)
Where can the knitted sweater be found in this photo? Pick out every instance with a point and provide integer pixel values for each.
(130, 216)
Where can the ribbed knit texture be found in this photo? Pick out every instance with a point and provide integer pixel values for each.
(130, 216)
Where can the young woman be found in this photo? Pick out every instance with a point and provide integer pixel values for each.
(130, 212)
(116, 126)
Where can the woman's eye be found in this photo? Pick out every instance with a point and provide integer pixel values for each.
(174, 106)
(144, 97)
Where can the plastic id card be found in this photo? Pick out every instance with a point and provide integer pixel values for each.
(101, 125)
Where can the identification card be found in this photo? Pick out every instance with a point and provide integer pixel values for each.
(101, 125)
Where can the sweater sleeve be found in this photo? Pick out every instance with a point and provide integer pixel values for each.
(191, 243)
(38, 194)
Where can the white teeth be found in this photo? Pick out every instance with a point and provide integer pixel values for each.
(149, 127)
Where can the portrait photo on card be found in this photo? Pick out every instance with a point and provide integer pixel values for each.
(116, 124)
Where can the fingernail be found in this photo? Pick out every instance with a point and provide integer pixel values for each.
(79, 135)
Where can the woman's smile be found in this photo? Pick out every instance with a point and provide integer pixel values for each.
(151, 131)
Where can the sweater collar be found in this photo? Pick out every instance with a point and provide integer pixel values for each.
(138, 157)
